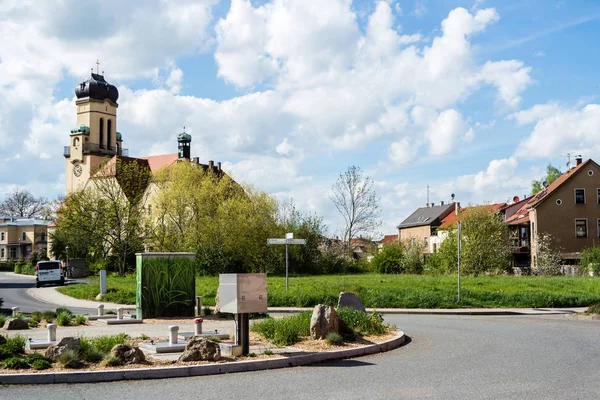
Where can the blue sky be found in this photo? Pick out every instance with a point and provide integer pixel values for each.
(472, 97)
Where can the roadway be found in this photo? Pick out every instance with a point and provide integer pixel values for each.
(448, 357)
(13, 289)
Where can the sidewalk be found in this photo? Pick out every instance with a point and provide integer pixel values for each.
(50, 295)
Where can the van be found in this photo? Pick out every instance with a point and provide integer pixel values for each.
(49, 272)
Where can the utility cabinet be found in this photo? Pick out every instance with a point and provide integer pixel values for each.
(243, 293)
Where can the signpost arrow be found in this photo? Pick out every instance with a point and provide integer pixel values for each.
(289, 239)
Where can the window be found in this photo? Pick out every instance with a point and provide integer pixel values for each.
(2, 236)
(108, 134)
(12, 253)
(435, 247)
(414, 240)
(2, 253)
(43, 237)
(558, 202)
(101, 137)
(579, 196)
(581, 227)
(426, 241)
(598, 195)
(598, 226)
(24, 236)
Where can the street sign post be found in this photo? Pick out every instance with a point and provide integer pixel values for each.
(289, 239)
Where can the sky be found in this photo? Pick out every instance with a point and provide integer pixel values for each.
(473, 98)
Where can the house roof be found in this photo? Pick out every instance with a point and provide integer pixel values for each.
(522, 214)
(389, 239)
(451, 219)
(25, 222)
(426, 216)
(157, 162)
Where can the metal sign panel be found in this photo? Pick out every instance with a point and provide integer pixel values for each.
(275, 241)
(296, 241)
(289, 235)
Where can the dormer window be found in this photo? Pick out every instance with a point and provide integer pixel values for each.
(579, 196)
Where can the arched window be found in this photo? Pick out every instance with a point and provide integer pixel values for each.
(109, 134)
(101, 138)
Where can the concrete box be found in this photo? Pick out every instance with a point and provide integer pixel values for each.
(243, 293)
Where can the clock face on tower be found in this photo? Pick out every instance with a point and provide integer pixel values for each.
(77, 170)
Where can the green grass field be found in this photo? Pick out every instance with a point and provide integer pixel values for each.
(393, 291)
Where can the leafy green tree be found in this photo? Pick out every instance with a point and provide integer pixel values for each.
(552, 174)
(547, 257)
(413, 261)
(21, 203)
(590, 260)
(389, 260)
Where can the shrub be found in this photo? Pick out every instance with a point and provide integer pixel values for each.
(70, 359)
(36, 316)
(41, 364)
(104, 344)
(547, 261)
(334, 339)
(388, 260)
(80, 320)
(33, 324)
(594, 309)
(5, 352)
(49, 316)
(15, 363)
(64, 310)
(113, 361)
(362, 322)
(15, 344)
(64, 319)
(3, 319)
(143, 336)
(251, 354)
(268, 353)
(36, 356)
(214, 339)
(207, 311)
(590, 260)
(284, 331)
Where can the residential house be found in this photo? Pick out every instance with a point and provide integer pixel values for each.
(568, 209)
(19, 237)
(422, 224)
(363, 248)
(386, 241)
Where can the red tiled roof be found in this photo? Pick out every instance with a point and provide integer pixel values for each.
(451, 219)
(389, 239)
(157, 162)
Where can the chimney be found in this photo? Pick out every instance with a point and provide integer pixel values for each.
(441, 203)
(211, 165)
(219, 166)
(195, 160)
(456, 208)
(578, 159)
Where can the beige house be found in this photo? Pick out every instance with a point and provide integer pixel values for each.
(568, 209)
(20, 237)
(422, 225)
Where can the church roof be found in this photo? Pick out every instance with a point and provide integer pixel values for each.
(157, 162)
(97, 88)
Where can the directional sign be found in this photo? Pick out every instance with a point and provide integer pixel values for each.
(295, 241)
(276, 241)
(289, 239)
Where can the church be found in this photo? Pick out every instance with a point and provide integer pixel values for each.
(95, 140)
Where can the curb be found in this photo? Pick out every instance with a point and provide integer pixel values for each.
(198, 370)
(433, 311)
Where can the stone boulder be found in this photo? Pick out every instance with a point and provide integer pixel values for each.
(65, 344)
(324, 320)
(2, 340)
(350, 300)
(13, 324)
(128, 354)
(199, 348)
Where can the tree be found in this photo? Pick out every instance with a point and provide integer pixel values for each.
(355, 199)
(547, 258)
(484, 244)
(388, 260)
(552, 174)
(21, 203)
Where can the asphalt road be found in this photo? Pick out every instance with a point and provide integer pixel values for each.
(448, 357)
(13, 289)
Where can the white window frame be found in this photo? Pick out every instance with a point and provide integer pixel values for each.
(587, 229)
(575, 194)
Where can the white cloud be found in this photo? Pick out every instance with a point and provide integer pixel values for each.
(539, 53)
(284, 147)
(175, 80)
(445, 131)
(420, 8)
(559, 129)
(402, 152)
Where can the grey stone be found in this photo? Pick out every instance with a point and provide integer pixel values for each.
(350, 300)
(324, 320)
(2, 340)
(128, 354)
(217, 305)
(199, 348)
(65, 344)
(13, 324)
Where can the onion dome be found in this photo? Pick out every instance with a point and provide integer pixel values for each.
(80, 129)
(184, 137)
(97, 88)
(119, 137)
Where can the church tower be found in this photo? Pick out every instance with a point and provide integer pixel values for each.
(184, 141)
(95, 136)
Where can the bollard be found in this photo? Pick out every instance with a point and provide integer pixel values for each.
(101, 310)
(52, 332)
(199, 305)
(120, 313)
(15, 311)
(103, 281)
(173, 333)
(198, 322)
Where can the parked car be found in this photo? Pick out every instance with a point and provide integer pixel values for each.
(49, 272)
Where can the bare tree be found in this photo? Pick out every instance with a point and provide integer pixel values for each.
(21, 203)
(355, 199)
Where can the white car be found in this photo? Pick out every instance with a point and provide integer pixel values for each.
(49, 272)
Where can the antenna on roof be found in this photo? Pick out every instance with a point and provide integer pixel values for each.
(545, 184)
(568, 160)
(427, 195)
(452, 196)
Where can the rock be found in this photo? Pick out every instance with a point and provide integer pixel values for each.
(2, 340)
(324, 320)
(65, 344)
(217, 305)
(128, 354)
(13, 324)
(99, 297)
(350, 300)
(199, 348)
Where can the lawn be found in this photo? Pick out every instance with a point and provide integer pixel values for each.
(398, 291)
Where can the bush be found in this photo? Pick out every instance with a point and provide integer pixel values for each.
(547, 261)
(334, 339)
(49, 316)
(70, 359)
(590, 260)
(36, 316)
(113, 361)
(80, 320)
(18, 267)
(268, 353)
(36, 356)
(362, 322)
(33, 324)
(64, 319)
(284, 331)
(388, 260)
(207, 311)
(104, 344)
(251, 354)
(15, 363)
(3, 319)
(63, 310)
(41, 364)
(15, 344)
(594, 309)
(5, 352)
